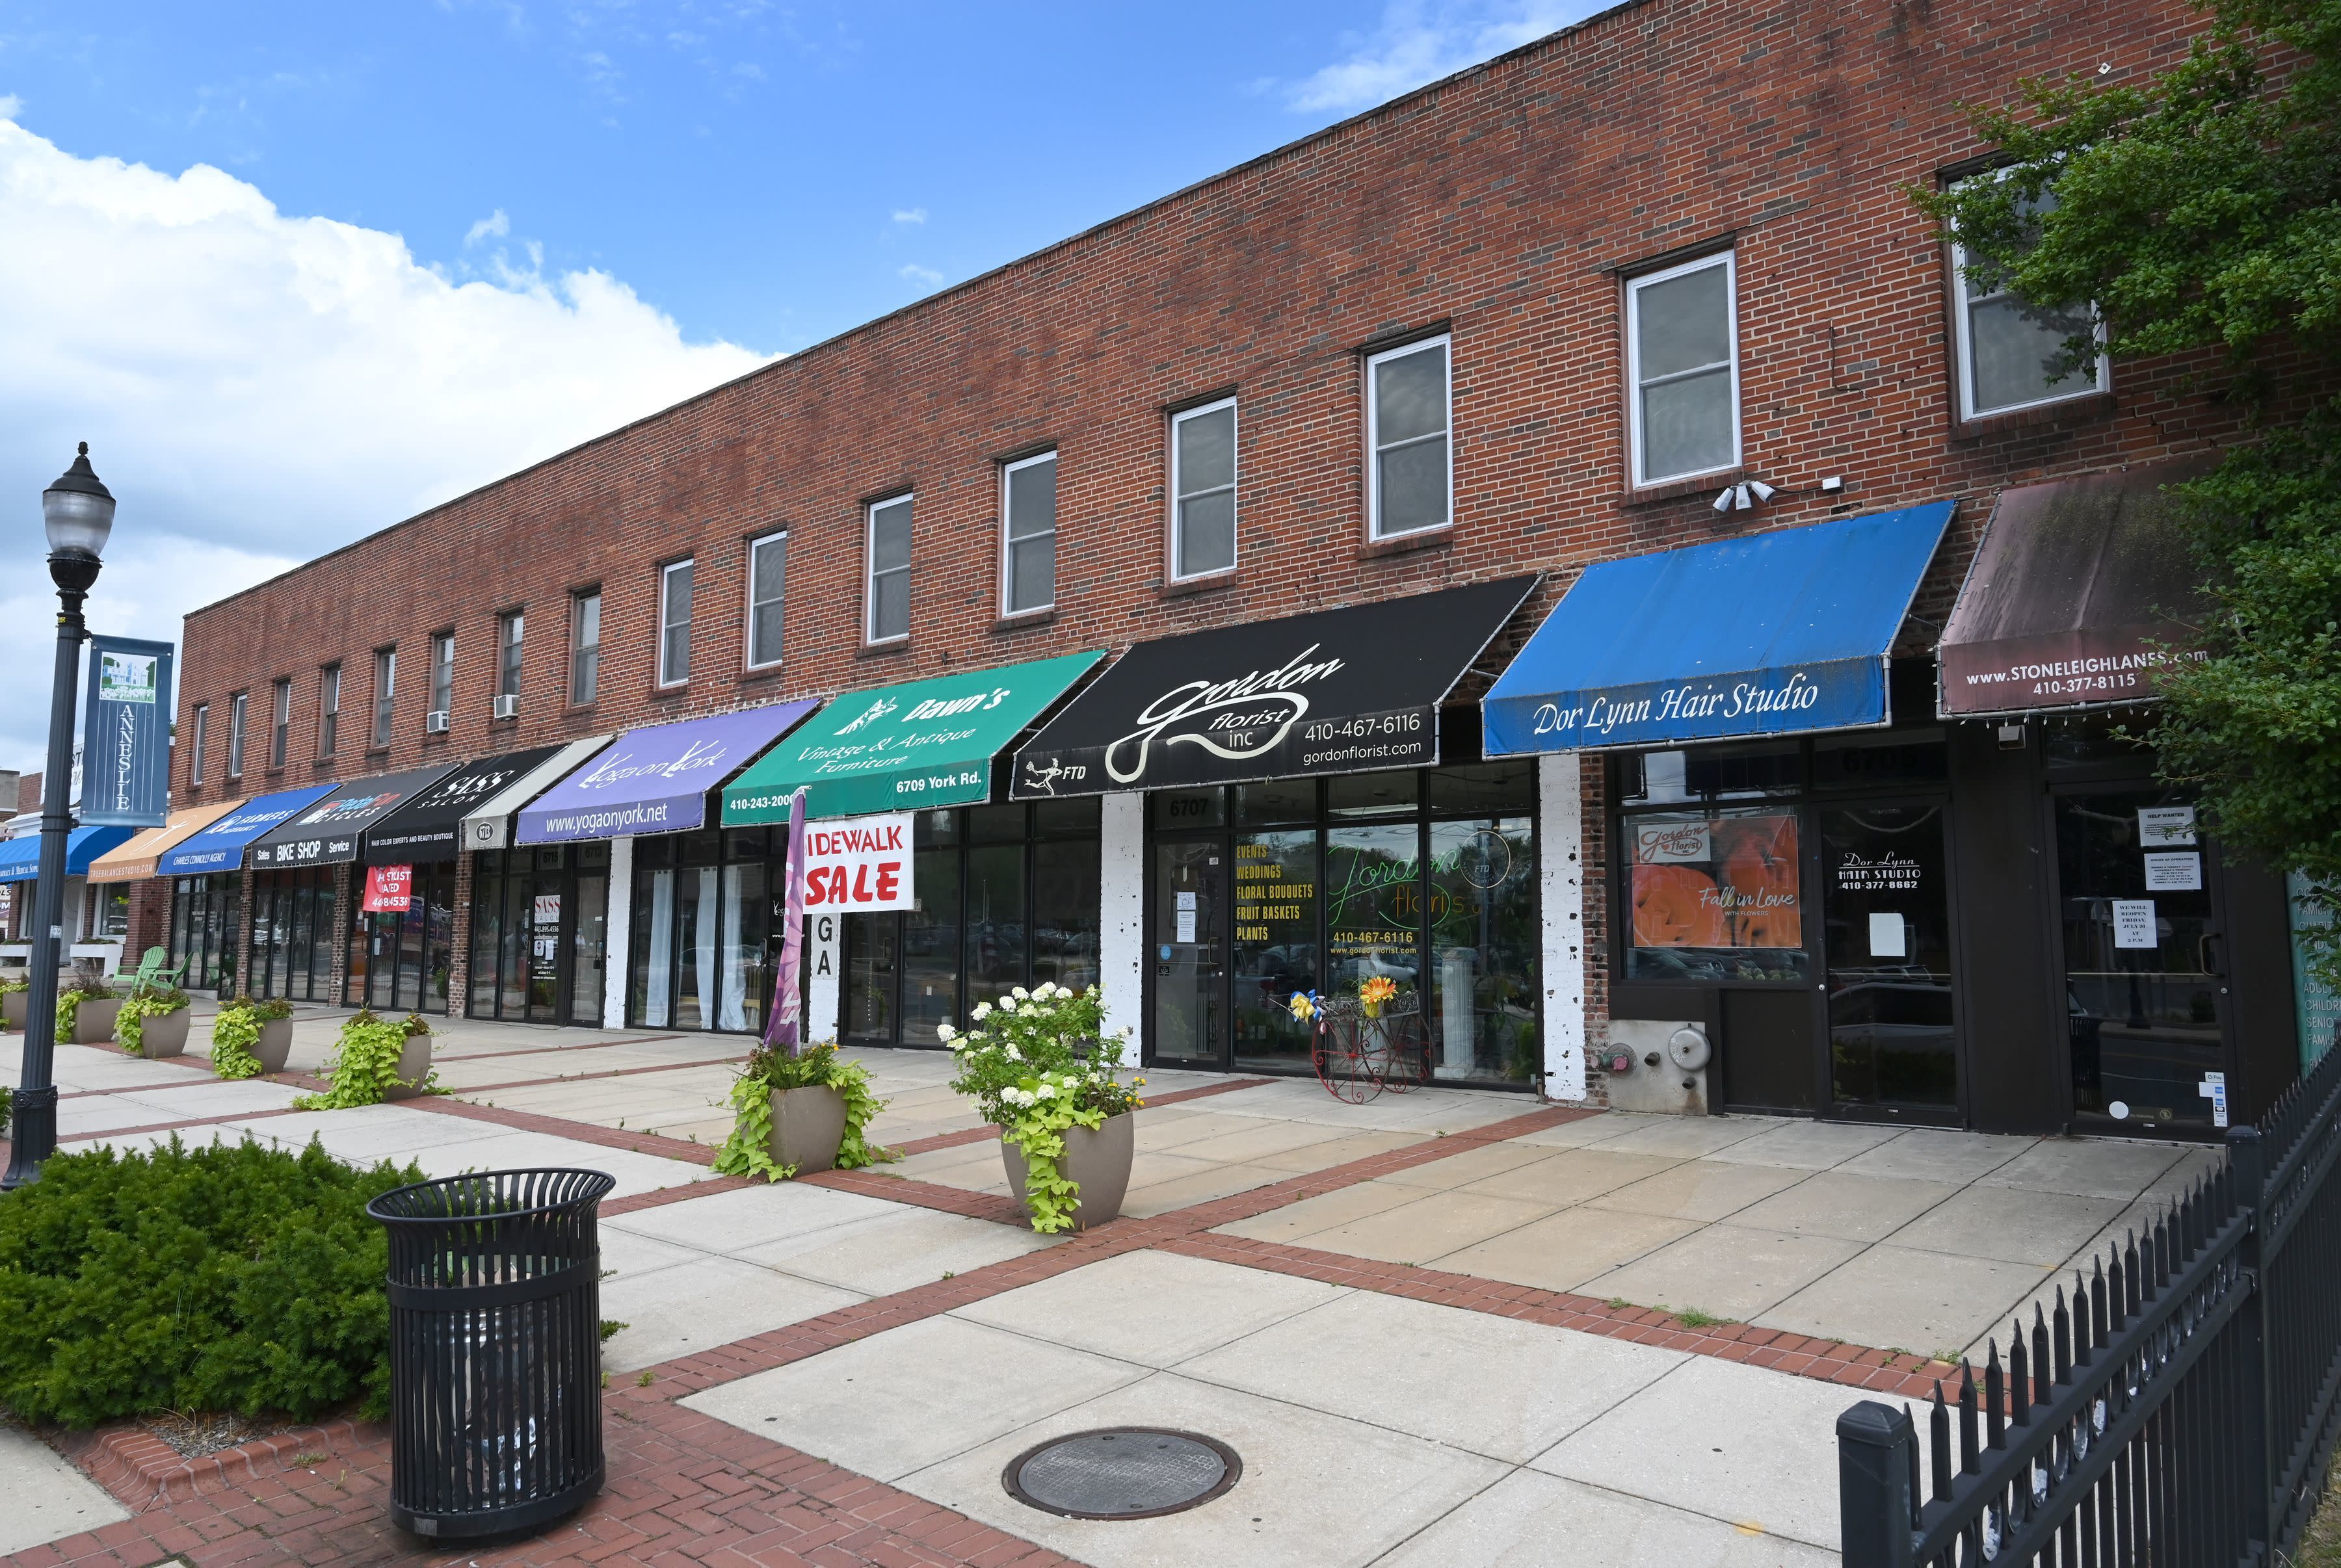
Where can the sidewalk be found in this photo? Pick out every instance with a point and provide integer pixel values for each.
(1428, 1325)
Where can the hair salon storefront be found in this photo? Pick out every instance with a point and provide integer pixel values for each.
(1884, 893)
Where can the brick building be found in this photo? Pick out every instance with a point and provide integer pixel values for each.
(1529, 320)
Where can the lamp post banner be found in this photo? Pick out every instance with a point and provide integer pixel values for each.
(125, 731)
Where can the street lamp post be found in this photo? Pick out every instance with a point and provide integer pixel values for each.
(78, 513)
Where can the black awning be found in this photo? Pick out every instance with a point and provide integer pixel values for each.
(1333, 691)
(2076, 588)
(428, 827)
(325, 832)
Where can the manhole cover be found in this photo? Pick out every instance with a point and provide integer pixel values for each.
(1122, 1472)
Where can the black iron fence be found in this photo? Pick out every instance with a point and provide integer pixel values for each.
(2176, 1409)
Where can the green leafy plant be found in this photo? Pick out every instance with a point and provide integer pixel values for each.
(69, 1006)
(1036, 1064)
(9, 988)
(365, 1064)
(8, 1106)
(236, 1030)
(130, 1023)
(770, 1070)
(2198, 208)
(228, 1278)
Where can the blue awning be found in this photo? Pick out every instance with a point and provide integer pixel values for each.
(221, 845)
(1776, 633)
(20, 858)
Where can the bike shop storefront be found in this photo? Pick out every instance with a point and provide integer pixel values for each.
(1308, 825)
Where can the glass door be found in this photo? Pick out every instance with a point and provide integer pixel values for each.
(1885, 909)
(1190, 993)
(544, 949)
(2144, 962)
(589, 945)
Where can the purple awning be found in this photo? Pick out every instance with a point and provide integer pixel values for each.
(655, 781)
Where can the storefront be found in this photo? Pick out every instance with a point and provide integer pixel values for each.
(1301, 822)
(506, 979)
(206, 895)
(401, 949)
(695, 942)
(113, 874)
(85, 924)
(1878, 895)
(298, 919)
(1005, 893)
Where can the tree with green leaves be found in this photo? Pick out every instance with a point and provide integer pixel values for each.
(2201, 211)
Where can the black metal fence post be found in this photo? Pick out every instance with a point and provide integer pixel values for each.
(2247, 1168)
(1877, 1467)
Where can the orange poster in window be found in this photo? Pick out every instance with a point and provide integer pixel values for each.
(1676, 907)
(1726, 882)
(1758, 856)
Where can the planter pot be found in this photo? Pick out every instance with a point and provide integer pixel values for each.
(12, 1009)
(413, 1067)
(275, 1043)
(1097, 1161)
(94, 1021)
(808, 1124)
(164, 1034)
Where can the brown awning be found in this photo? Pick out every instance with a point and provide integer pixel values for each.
(134, 859)
(2077, 588)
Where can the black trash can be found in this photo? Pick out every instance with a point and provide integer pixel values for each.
(496, 1350)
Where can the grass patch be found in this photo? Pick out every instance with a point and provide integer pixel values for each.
(1692, 1317)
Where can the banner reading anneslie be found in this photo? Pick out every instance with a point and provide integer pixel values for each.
(125, 734)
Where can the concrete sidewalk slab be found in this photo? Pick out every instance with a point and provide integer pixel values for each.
(894, 1251)
(703, 1303)
(1157, 1309)
(45, 1496)
(1531, 1520)
(1725, 1270)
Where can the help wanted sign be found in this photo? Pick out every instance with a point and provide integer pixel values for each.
(858, 864)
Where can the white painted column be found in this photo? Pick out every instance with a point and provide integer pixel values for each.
(1121, 916)
(823, 1021)
(1560, 848)
(617, 957)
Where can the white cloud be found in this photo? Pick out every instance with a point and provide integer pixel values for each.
(910, 214)
(919, 274)
(494, 226)
(1419, 41)
(258, 388)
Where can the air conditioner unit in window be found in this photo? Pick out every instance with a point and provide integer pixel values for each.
(508, 707)
(435, 721)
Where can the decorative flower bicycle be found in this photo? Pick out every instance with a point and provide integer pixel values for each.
(1367, 1044)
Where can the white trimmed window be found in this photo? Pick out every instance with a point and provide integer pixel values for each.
(443, 671)
(584, 645)
(1028, 527)
(329, 708)
(2011, 355)
(768, 582)
(385, 694)
(235, 705)
(203, 721)
(1203, 490)
(887, 552)
(1682, 363)
(510, 631)
(280, 721)
(1410, 477)
(675, 623)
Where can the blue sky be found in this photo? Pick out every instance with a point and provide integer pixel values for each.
(297, 270)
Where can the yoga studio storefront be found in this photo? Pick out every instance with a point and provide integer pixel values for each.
(1286, 811)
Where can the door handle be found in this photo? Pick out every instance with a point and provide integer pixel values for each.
(2203, 953)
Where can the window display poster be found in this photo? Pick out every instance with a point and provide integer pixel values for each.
(2133, 923)
(1722, 882)
(389, 890)
(1186, 918)
(2318, 1004)
(2158, 826)
(1889, 938)
(2178, 873)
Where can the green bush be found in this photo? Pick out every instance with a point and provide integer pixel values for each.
(130, 1023)
(365, 1064)
(8, 1106)
(229, 1277)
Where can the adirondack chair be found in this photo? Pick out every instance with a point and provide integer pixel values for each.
(155, 973)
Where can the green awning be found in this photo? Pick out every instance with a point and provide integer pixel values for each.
(902, 747)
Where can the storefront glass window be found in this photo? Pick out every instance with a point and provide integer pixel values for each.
(1764, 768)
(204, 925)
(1714, 895)
(1275, 947)
(111, 915)
(539, 919)
(1482, 1000)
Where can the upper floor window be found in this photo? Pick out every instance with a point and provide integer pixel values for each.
(443, 672)
(1409, 480)
(386, 689)
(1028, 509)
(1682, 364)
(329, 708)
(584, 644)
(508, 641)
(2011, 355)
(768, 581)
(1204, 489)
(196, 739)
(280, 722)
(235, 705)
(675, 623)
(887, 552)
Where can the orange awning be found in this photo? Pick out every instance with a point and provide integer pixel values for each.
(134, 859)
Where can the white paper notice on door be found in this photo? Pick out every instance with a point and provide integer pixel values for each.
(2175, 872)
(1185, 912)
(2133, 923)
(1888, 936)
(2158, 826)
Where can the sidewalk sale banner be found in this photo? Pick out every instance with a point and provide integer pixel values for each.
(859, 865)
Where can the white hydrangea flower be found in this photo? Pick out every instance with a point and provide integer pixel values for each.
(1044, 990)
(1046, 1091)
(1011, 1052)
(1020, 993)
(945, 1033)
(982, 1011)
(1008, 1004)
